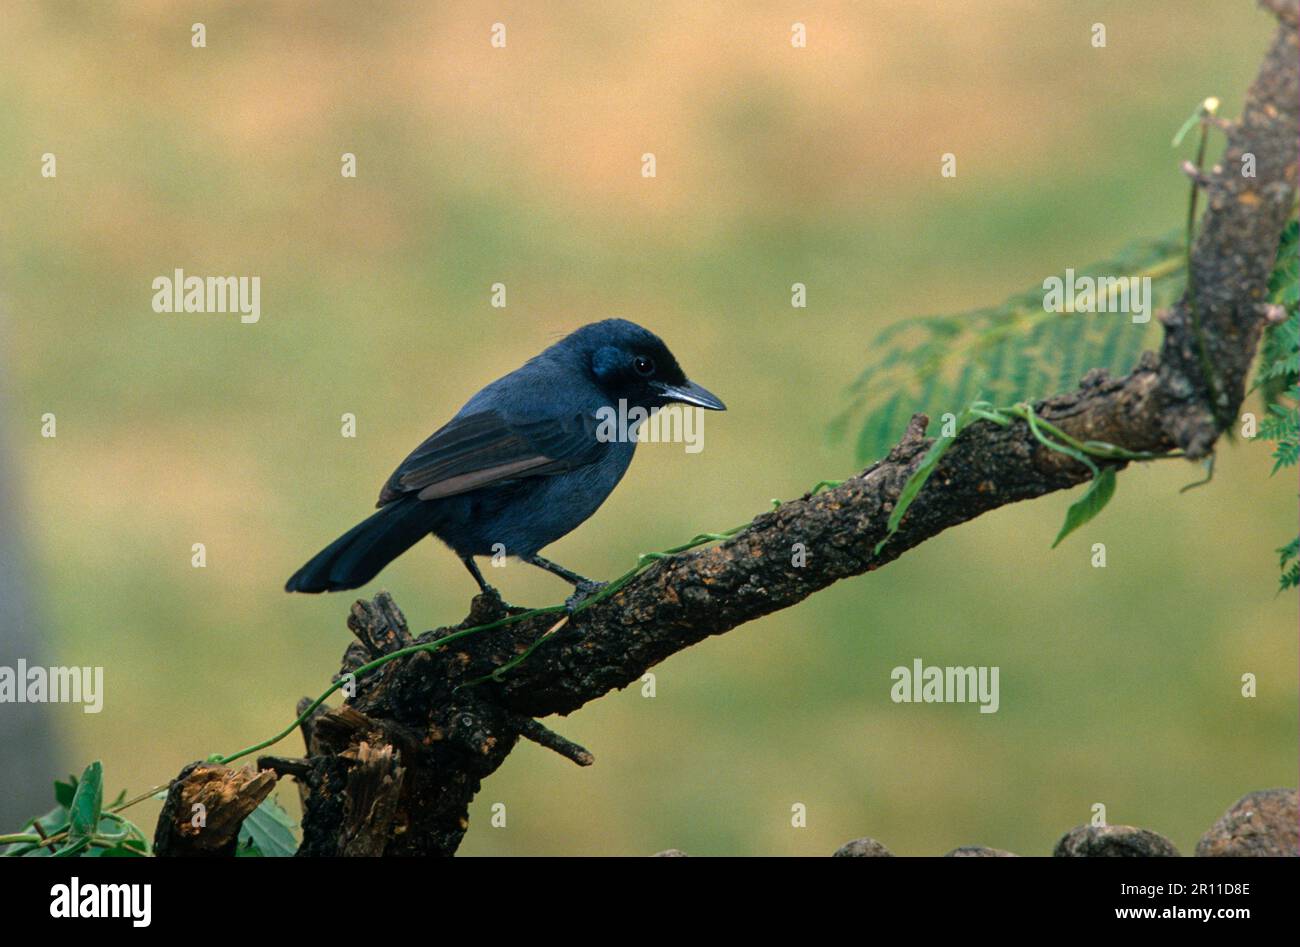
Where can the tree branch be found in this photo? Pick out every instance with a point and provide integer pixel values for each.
(1163, 405)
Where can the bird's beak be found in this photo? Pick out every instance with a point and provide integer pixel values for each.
(690, 393)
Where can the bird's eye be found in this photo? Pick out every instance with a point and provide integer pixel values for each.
(643, 366)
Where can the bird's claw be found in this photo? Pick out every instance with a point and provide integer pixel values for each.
(581, 592)
(493, 598)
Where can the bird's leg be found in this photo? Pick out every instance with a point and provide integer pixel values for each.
(583, 588)
(556, 569)
(478, 577)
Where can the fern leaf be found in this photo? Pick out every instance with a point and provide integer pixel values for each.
(1017, 351)
(1277, 376)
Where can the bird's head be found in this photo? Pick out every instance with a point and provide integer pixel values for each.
(632, 363)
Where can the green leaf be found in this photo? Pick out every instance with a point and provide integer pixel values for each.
(1016, 351)
(1279, 356)
(267, 832)
(56, 820)
(918, 478)
(117, 837)
(80, 812)
(1290, 551)
(1277, 376)
(87, 804)
(1093, 501)
(72, 849)
(128, 849)
(64, 792)
(1287, 561)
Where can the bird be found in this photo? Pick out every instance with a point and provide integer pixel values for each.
(524, 462)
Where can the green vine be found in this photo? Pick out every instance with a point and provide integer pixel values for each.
(1100, 489)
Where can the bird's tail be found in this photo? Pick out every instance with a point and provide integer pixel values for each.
(358, 555)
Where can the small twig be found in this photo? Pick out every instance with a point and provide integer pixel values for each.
(39, 830)
(285, 766)
(1199, 178)
(531, 729)
(1209, 475)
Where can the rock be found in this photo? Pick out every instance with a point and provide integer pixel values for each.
(1113, 841)
(979, 851)
(863, 848)
(1266, 822)
(670, 853)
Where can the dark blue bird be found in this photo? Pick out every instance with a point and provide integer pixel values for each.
(524, 462)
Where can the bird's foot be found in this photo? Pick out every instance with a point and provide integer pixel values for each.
(489, 601)
(581, 592)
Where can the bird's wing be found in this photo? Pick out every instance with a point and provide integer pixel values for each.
(481, 449)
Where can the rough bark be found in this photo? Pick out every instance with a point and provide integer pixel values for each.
(205, 807)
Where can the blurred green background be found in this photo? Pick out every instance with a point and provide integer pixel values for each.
(478, 165)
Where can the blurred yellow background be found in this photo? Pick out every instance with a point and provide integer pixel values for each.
(521, 165)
